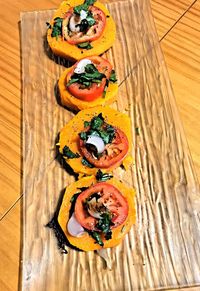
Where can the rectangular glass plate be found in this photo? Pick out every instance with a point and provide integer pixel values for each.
(162, 249)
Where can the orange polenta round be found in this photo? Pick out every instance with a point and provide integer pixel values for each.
(86, 242)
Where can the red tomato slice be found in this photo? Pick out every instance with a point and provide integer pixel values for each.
(111, 198)
(96, 89)
(113, 154)
(93, 33)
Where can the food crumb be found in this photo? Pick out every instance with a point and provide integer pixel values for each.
(137, 131)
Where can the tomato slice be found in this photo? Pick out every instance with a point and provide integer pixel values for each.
(96, 89)
(113, 154)
(93, 33)
(110, 197)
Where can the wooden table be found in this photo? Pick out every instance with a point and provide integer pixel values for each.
(178, 28)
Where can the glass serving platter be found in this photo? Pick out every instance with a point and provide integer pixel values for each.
(162, 249)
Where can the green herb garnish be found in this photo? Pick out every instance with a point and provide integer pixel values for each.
(99, 128)
(73, 202)
(57, 27)
(91, 75)
(86, 163)
(69, 154)
(90, 19)
(105, 136)
(100, 176)
(90, 2)
(84, 6)
(97, 122)
(104, 224)
(73, 80)
(107, 133)
(86, 123)
(111, 131)
(113, 77)
(97, 237)
(85, 45)
(83, 135)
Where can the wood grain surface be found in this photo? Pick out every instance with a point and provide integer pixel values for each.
(181, 50)
(165, 15)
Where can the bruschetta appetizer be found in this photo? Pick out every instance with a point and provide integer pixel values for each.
(89, 83)
(96, 214)
(81, 29)
(97, 138)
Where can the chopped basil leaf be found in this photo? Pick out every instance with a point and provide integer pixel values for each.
(91, 72)
(86, 163)
(90, 68)
(97, 237)
(85, 45)
(69, 154)
(111, 131)
(91, 75)
(113, 77)
(73, 202)
(86, 123)
(83, 135)
(93, 132)
(71, 81)
(105, 136)
(90, 2)
(86, 84)
(90, 19)
(84, 6)
(77, 9)
(104, 224)
(48, 25)
(100, 176)
(97, 128)
(57, 27)
(97, 122)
